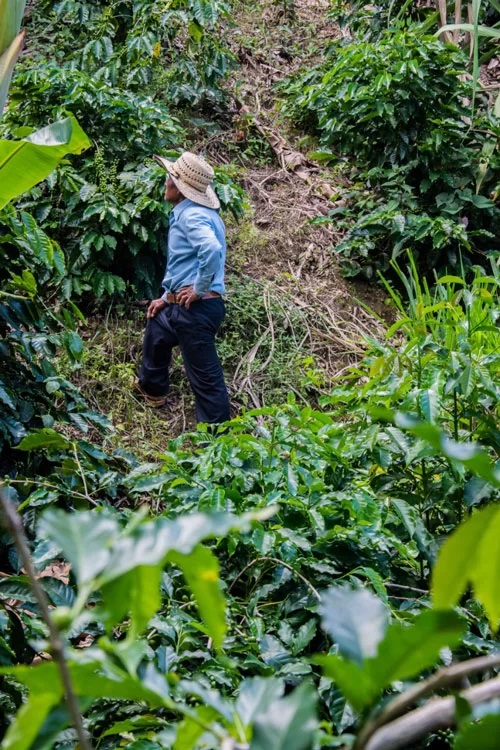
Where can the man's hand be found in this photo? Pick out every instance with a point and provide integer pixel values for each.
(155, 306)
(186, 296)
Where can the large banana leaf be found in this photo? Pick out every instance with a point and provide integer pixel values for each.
(11, 42)
(7, 61)
(26, 162)
(11, 15)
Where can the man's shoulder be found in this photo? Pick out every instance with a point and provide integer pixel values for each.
(195, 211)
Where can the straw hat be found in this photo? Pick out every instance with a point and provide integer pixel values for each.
(192, 175)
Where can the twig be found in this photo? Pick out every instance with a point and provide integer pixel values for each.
(437, 714)
(442, 678)
(82, 474)
(15, 526)
(405, 588)
(277, 562)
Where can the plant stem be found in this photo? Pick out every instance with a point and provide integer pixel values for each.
(438, 713)
(82, 474)
(15, 526)
(278, 562)
(442, 678)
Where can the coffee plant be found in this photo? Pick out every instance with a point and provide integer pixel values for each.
(398, 106)
(306, 576)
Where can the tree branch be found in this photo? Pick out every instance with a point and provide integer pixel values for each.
(442, 678)
(438, 713)
(14, 524)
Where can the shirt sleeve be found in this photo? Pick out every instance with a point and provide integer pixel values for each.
(202, 238)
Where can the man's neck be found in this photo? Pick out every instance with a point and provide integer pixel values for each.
(176, 202)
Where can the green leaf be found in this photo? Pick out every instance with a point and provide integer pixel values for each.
(483, 31)
(354, 682)
(255, 695)
(471, 555)
(11, 14)
(288, 723)
(84, 538)
(150, 542)
(24, 163)
(7, 61)
(469, 454)
(189, 730)
(407, 650)
(201, 571)
(29, 720)
(98, 678)
(44, 438)
(482, 735)
(137, 592)
(355, 619)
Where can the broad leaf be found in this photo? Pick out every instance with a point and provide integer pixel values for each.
(288, 723)
(25, 163)
(7, 62)
(150, 542)
(354, 682)
(84, 538)
(356, 620)
(190, 730)
(407, 650)
(471, 555)
(11, 16)
(29, 719)
(483, 735)
(136, 592)
(255, 696)
(201, 571)
(44, 438)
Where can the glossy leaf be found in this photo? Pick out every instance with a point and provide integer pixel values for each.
(356, 620)
(44, 438)
(25, 163)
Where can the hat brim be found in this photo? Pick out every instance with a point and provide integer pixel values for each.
(208, 199)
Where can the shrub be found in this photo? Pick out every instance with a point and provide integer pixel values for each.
(390, 102)
(398, 107)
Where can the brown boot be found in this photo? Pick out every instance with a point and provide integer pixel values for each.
(155, 402)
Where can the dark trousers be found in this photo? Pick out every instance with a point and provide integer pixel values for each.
(194, 331)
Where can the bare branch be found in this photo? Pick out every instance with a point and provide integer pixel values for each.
(14, 524)
(442, 678)
(438, 713)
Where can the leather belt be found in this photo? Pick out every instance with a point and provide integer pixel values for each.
(172, 297)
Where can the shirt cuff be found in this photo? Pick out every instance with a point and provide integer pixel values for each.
(200, 288)
(164, 296)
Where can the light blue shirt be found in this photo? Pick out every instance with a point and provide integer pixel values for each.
(196, 250)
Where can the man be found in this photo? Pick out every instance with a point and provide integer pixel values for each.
(191, 310)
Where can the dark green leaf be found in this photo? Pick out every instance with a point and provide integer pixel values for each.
(44, 438)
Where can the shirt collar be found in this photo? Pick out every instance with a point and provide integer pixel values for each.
(179, 208)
